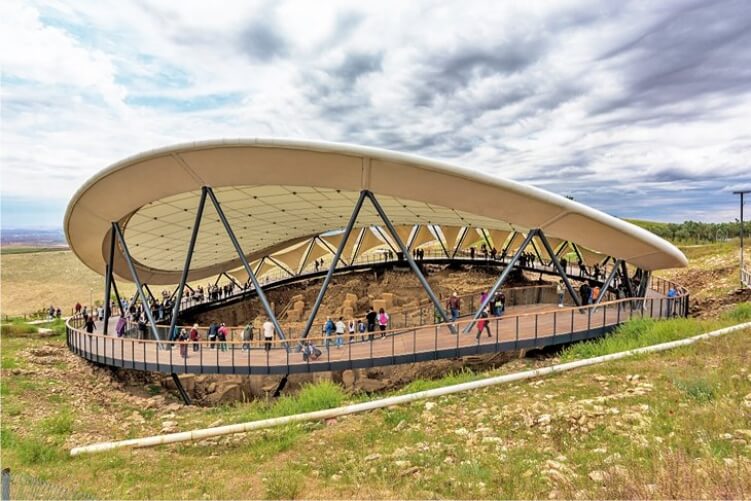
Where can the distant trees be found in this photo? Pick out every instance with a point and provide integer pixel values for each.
(694, 232)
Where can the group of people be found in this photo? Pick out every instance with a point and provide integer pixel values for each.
(334, 332)
(217, 336)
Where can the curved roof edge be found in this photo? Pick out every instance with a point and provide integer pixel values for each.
(664, 255)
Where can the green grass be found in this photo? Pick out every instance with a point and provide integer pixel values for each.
(699, 389)
(17, 326)
(638, 333)
(310, 398)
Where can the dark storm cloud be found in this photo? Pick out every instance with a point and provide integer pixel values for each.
(691, 51)
(357, 64)
(262, 42)
(444, 74)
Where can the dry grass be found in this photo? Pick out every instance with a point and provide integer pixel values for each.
(34, 281)
(671, 425)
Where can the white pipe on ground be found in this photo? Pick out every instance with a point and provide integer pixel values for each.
(385, 402)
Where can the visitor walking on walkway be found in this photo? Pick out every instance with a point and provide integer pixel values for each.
(383, 321)
(328, 331)
(121, 325)
(351, 329)
(454, 305)
(483, 324)
(221, 333)
(268, 334)
(183, 340)
(247, 336)
(362, 329)
(561, 291)
(195, 337)
(371, 318)
(340, 327)
(90, 325)
(212, 334)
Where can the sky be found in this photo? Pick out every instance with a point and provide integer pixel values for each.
(640, 109)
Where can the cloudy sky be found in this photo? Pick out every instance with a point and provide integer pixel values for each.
(640, 109)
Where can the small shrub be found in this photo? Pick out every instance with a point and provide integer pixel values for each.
(698, 389)
(739, 314)
(60, 424)
(312, 397)
(33, 450)
(284, 484)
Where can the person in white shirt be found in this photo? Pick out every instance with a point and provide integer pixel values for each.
(268, 334)
(340, 326)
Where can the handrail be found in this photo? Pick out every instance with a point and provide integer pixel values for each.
(431, 256)
(394, 346)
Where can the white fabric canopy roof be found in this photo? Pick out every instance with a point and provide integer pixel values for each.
(276, 193)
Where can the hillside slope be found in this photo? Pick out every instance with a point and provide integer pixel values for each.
(677, 424)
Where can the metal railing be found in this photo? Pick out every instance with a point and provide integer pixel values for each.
(746, 276)
(388, 347)
(400, 318)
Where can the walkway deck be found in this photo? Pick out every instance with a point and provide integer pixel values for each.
(522, 327)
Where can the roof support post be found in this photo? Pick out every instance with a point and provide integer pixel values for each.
(608, 281)
(627, 279)
(578, 254)
(407, 255)
(510, 240)
(560, 248)
(251, 275)
(537, 251)
(558, 267)
(330, 249)
(153, 299)
(440, 241)
(117, 295)
(139, 288)
(231, 279)
(307, 256)
(644, 284)
(332, 267)
(504, 275)
(282, 266)
(188, 258)
(485, 237)
(108, 283)
(461, 241)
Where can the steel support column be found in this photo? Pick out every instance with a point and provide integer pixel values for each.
(440, 241)
(117, 295)
(504, 275)
(108, 283)
(407, 255)
(232, 279)
(627, 279)
(458, 246)
(558, 267)
(510, 240)
(188, 258)
(608, 281)
(153, 298)
(241, 255)
(139, 288)
(181, 390)
(332, 267)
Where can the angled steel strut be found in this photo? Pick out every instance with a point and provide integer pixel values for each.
(244, 260)
(139, 287)
(504, 275)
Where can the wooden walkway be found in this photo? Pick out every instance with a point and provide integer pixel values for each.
(521, 327)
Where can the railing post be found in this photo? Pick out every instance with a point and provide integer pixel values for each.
(555, 324)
